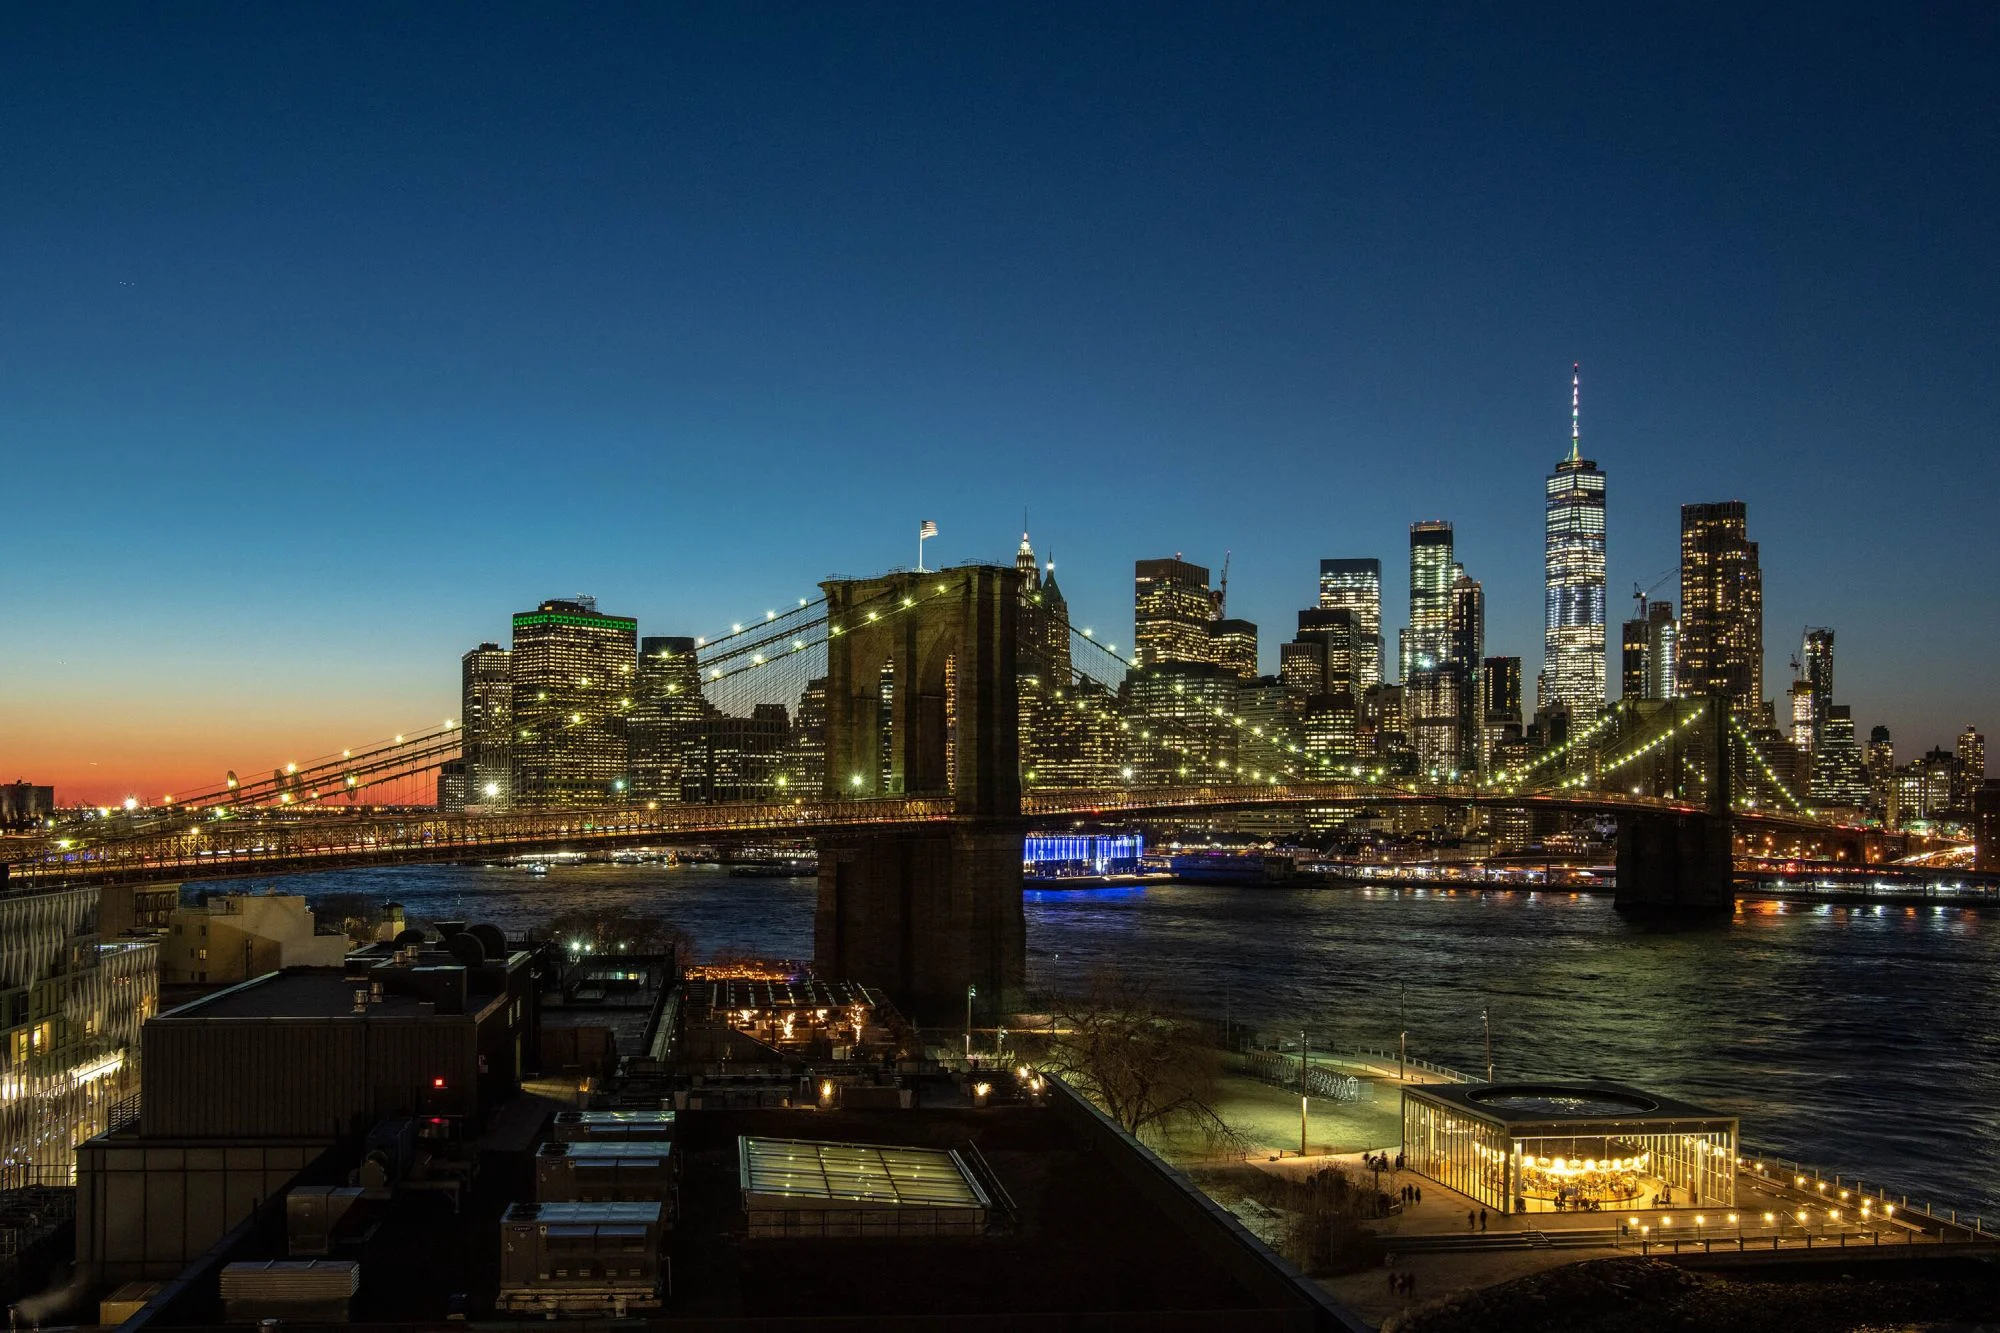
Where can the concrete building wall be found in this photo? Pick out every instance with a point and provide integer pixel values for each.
(236, 936)
(220, 1077)
(145, 1208)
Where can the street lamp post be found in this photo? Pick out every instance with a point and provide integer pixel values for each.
(970, 991)
(1303, 1094)
(1402, 1032)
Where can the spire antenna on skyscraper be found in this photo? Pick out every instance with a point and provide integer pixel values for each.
(1575, 411)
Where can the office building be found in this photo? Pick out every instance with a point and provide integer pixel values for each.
(1467, 645)
(1721, 647)
(1881, 762)
(235, 936)
(1799, 716)
(1662, 639)
(1839, 778)
(1302, 666)
(730, 758)
(24, 804)
(1499, 708)
(1969, 766)
(573, 688)
(1355, 586)
(1427, 640)
(72, 999)
(451, 785)
(1816, 659)
(1632, 653)
(1190, 703)
(486, 718)
(1435, 703)
(1233, 646)
(667, 704)
(1329, 726)
(1500, 689)
(1171, 608)
(1573, 562)
(1341, 649)
(1923, 788)
(805, 769)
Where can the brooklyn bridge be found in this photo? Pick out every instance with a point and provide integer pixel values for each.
(925, 797)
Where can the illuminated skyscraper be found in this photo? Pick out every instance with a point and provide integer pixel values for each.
(1468, 623)
(1233, 644)
(1662, 648)
(1356, 586)
(1969, 770)
(1170, 612)
(1817, 659)
(486, 712)
(1801, 715)
(1573, 634)
(573, 689)
(1722, 607)
(667, 703)
(1341, 654)
(1427, 641)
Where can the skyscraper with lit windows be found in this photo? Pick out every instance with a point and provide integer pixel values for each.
(1427, 641)
(573, 691)
(1573, 634)
(1171, 608)
(486, 714)
(1722, 608)
(1355, 585)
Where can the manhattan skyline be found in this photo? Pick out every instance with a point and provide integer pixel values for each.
(330, 352)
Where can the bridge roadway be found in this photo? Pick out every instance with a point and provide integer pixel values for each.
(305, 840)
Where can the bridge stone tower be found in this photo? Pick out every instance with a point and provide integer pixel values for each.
(921, 702)
(1684, 864)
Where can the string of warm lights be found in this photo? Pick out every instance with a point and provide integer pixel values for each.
(1329, 768)
(1632, 756)
(1777, 783)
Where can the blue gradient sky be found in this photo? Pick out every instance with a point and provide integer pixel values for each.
(334, 334)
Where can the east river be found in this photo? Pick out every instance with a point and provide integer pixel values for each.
(1865, 1040)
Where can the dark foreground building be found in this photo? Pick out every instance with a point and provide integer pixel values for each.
(793, 1162)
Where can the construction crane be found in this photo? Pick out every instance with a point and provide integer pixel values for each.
(1220, 601)
(1639, 595)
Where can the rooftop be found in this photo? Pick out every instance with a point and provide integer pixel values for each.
(1518, 1106)
(788, 1172)
(322, 993)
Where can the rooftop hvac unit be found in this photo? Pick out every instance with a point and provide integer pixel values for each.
(304, 1291)
(312, 1213)
(581, 1258)
(620, 1171)
(612, 1126)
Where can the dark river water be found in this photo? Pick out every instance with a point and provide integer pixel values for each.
(1866, 1039)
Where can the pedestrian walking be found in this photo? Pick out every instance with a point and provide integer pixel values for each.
(1420, 1194)
(1482, 1219)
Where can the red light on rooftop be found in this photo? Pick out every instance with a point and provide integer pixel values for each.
(437, 1083)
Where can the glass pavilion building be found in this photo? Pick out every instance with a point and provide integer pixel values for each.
(1538, 1148)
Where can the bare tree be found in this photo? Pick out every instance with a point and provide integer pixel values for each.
(615, 930)
(345, 910)
(1149, 1068)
